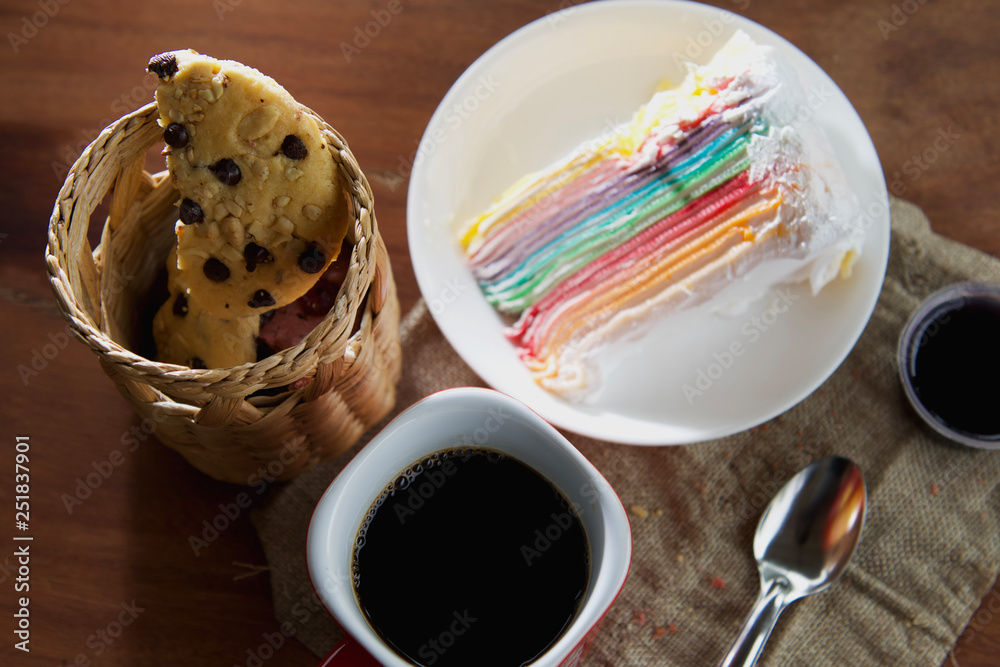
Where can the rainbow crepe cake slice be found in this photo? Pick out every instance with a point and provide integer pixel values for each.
(714, 191)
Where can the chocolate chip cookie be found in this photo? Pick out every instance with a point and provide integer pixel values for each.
(262, 209)
(186, 334)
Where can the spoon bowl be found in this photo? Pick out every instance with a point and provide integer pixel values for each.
(804, 541)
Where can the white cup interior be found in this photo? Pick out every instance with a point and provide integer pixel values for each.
(461, 418)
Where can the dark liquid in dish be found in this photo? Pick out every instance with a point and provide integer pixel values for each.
(955, 366)
(471, 558)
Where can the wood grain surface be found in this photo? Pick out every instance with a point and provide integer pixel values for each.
(114, 579)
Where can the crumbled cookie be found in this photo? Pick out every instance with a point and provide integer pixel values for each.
(263, 208)
(186, 334)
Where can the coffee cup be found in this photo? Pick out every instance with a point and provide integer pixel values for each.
(948, 359)
(460, 421)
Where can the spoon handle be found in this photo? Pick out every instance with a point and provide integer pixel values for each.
(756, 629)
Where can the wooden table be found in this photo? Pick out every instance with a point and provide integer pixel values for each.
(113, 578)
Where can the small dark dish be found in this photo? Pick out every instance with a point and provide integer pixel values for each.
(949, 363)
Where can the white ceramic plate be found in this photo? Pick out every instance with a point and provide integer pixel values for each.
(535, 96)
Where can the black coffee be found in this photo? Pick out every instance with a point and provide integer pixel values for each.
(470, 558)
(956, 365)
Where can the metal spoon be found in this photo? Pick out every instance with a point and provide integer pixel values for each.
(804, 540)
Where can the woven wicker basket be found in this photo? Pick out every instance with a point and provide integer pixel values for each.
(219, 419)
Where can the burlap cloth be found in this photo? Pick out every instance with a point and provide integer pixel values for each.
(930, 552)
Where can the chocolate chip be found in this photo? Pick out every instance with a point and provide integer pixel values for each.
(227, 171)
(261, 299)
(293, 148)
(163, 65)
(312, 259)
(196, 362)
(176, 135)
(215, 270)
(181, 305)
(191, 212)
(255, 255)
